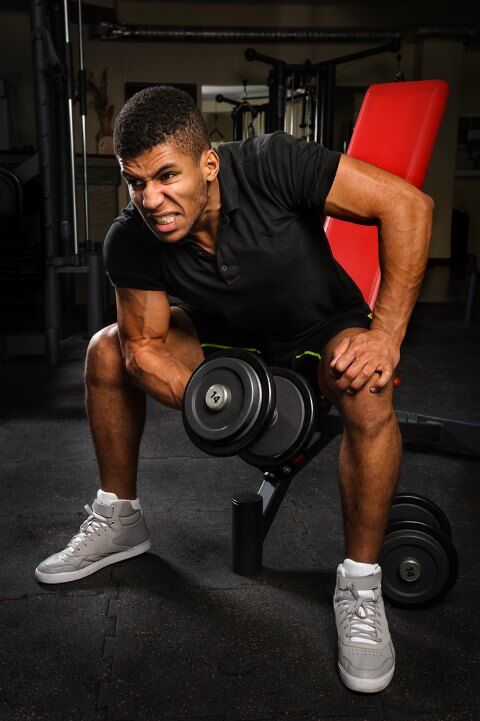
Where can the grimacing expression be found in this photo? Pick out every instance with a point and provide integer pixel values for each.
(169, 189)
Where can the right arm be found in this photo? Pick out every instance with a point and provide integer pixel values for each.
(143, 318)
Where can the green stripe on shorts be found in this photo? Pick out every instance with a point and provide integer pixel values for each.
(227, 347)
(309, 352)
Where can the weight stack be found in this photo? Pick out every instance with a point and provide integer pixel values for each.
(247, 533)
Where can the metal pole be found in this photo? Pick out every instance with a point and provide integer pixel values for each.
(318, 107)
(328, 105)
(94, 259)
(281, 96)
(64, 191)
(83, 113)
(280, 93)
(46, 152)
(308, 114)
(52, 316)
(292, 100)
(45, 126)
(392, 46)
(245, 115)
(68, 58)
(237, 116)
(153, 33)
(269, 124)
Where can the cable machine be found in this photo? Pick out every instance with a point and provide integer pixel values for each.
(300, 96)
(244, 115)
(66, 254)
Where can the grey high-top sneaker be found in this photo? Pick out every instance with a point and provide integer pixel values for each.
(366, 657)
(113, 531)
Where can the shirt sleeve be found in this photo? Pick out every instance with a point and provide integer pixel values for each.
(301, 173)
(125, 263)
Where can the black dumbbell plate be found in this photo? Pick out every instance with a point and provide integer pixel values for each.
(293, 424)
(419, 563)
(250, 400)
(413, 507)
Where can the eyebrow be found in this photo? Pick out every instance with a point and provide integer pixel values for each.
(162, 169)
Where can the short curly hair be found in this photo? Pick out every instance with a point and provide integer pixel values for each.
(157, 115)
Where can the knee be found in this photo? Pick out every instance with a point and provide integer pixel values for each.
(104, 357)
(368, 418)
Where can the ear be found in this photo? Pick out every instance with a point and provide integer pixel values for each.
(211, 164)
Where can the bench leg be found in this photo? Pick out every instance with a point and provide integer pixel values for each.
(247, 533)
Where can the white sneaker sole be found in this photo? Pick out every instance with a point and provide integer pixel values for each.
(94, 567)
(366, 685)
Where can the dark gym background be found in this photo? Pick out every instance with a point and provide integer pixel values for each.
(174, 634)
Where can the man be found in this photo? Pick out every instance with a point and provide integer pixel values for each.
(238, 236)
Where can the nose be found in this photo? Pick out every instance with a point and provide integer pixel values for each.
(153, 197)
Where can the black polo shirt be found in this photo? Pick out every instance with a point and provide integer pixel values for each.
(273, 271)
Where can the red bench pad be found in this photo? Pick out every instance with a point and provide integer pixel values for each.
(395, 130)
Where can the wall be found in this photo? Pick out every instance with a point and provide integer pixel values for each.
(467, 189)
(224, 64)
(16, 60)
(443, 59)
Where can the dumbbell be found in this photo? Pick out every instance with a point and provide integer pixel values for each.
(234, 404)
(419, 561)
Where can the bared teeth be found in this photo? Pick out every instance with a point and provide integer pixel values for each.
(165, 219)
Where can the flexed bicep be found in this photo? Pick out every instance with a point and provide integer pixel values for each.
(143, 316)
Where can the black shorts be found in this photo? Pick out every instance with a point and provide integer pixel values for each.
(302, 353)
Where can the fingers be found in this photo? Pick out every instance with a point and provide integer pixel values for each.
(356, 376)
(382, 380)
(352, 384)
(340, 352)
(356, 365)
(348, 350)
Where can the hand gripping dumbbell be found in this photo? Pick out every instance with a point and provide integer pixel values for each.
(235, 404)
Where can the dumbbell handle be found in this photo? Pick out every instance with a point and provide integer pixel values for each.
(218, 396)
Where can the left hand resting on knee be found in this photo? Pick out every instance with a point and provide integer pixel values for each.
(362, 357)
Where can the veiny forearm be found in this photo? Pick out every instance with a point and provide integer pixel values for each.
(404, 238)
(154, 370)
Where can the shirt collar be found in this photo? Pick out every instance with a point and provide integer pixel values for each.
(228, 187)
(228, 193)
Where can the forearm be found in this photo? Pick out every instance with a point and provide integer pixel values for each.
(404, 238)
(158, 373)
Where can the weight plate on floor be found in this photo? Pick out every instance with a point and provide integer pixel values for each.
(419, 563)
(227, 401)
(413, 507)
(292, 425)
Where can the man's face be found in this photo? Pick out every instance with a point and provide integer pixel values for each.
(169, 189)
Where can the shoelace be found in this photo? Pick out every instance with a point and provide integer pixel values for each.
(362, 625)
(93, 524)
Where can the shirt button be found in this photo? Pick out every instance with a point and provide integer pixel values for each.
(224, 267)
(199, 254)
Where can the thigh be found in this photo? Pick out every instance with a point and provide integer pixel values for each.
(311, 354)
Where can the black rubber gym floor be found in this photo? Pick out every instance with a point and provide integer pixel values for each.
(174, 634)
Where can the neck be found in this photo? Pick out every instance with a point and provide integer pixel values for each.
(206, 228)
